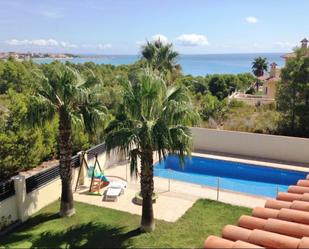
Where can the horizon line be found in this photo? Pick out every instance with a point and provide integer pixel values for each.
(137, 54)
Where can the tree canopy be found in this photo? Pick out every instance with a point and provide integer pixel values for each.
(20, 81)
(153, 119)
(293, 96)
(259, 66)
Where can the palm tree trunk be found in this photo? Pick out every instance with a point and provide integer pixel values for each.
(147, 222)
(65, 143)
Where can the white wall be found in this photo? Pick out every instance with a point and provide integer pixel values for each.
(280, 148)
(22, 204)
(9, 207)
(256, 101)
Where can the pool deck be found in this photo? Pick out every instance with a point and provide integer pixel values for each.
(176, 197)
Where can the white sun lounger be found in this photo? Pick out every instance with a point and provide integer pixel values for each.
(112, 193)
(118, 184)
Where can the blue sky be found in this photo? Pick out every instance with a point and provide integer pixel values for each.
(121, 26)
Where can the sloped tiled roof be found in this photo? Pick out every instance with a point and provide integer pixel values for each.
(282, 223)
(289, 55)
(293, 55)
(266, 77)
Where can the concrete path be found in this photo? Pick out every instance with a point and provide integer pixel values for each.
(167, 207)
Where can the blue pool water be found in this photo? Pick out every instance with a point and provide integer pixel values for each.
(239, 177)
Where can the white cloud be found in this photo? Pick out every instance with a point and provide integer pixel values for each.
(41, 43)
(44, 43)
(67, 45)
(281, 44)
(252, 20)
(160, 37)
(192, 40)
(104, 46)
(15, 42)
(101, 46)
(52, 43)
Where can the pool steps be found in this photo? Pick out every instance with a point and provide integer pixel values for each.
(282, 223)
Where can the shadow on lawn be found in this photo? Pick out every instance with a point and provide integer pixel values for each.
(19, 235)
(39, 219)
(90, 235)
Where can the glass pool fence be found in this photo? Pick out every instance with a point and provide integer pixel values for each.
(221, 185)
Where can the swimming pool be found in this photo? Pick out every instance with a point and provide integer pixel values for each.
(238, 177)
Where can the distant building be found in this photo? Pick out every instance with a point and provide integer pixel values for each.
(28, 56)
(304, 46)
(270, 81)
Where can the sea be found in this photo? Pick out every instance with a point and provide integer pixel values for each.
(196, 65)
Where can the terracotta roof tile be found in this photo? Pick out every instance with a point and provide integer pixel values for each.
(300, 205)
(282, 196)
(242, 244)
(217, 242)
(294, 216)
(232, 232)
(272, 240)
(282, 223)
(305, 197)
(303, 183)
(265, 213)
(286, 228)
(275, 204)
(304, 243)
(251, 222)
(289, 55)
(298, 190)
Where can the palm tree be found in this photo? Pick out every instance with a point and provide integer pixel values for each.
(259, 66)
(153, 118)
(64, 93)
(161, 57)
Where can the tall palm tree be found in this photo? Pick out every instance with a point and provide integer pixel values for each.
(161, 57)
(64, 93)
(153, 118)
(259, 66)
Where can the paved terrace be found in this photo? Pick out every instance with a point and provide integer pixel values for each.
(176, 197)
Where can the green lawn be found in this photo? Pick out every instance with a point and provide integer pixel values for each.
(101, 227)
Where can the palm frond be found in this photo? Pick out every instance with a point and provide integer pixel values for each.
(160, 57)
(134, 155)
(94, 116)
(40, 110)
(122, 140)
(152, 118)
(181, 142)
(161, 139)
